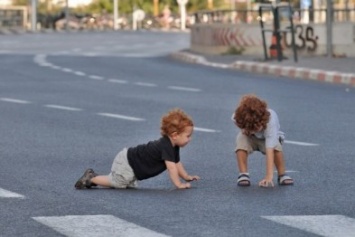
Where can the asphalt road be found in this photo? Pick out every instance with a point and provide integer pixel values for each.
(72, 101)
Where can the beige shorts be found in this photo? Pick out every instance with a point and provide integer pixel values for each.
(122, 175)
(252, 143)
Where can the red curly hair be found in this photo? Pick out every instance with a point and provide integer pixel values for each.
(175, 120)
(251, 114)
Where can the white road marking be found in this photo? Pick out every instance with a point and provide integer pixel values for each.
(117, 81)
(322, 225)
(90, 54)
(45, 64)
(300, 143)
(15, 101)
(67, 70)
(55, 67)
(145, 84)
(184, 88)
(63, 107)
(95, 226)
(78, 73)
(96, 77)
(205, 130)
(7, 194)
(119, 116)
(289, 171)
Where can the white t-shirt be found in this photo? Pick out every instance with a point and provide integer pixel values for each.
(272, 132)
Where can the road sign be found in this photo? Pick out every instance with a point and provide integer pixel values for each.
(139, 15)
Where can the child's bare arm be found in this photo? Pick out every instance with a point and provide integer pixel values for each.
(184, 175)
(267, 181)
(174, 175)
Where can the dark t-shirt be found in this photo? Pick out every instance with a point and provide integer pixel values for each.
(148, 160)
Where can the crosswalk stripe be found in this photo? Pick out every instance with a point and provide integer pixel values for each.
(323, 225)
(95, 226)
(7, 194)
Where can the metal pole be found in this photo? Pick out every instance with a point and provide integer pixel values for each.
(329, 21)
(34, 15)
(156, 7)
(183, 16)
(115, 15)
(66, 14)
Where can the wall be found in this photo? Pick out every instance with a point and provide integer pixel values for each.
(310, 39)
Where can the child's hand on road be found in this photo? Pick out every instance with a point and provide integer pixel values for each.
(266, 183)
(192, 178)
(184, 186)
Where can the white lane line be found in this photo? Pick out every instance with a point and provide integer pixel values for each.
(95, 226)
(179, 88)
(55, 67)
(7, 194)
(44, 64)
(117, 81)
(322, 225)
(300, 143)
(90, 54)
(205, 130)
(15, 101)
(67, 70)
(62, 107)
(79, 73)
(145, 84)
(96, 77)
(289, 171)
(119, 116)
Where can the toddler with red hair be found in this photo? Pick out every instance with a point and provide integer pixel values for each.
(148, 160)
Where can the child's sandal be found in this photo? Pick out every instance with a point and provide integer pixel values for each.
(284, 180)
(243, 180)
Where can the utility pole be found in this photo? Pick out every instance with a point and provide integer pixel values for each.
(156, 7)
(329, 22)
(66, 15)
(210, 4)
(34, 15)
(182, 5)
(115, 15)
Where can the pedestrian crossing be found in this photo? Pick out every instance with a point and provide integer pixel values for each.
(108, 225)
(323, 225)
(8, 194)
(96, 226)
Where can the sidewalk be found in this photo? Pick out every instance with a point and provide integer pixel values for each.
(318, 68)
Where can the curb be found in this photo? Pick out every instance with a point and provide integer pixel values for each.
(264, 68)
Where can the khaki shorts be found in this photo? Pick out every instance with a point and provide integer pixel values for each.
(122, 175)
(252, 143)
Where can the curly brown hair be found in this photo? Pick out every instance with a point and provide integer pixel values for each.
(175, 120)
(251, 114)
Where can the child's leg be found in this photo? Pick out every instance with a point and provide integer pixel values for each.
(279, 162)
(242, 160)
(102, 180)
